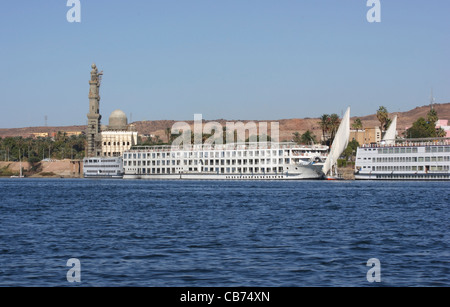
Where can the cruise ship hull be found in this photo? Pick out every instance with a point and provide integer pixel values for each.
(308, 172)
(411, 160)
(246, 161)
(404, 176)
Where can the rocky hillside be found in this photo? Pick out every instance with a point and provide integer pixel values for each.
(287, 126)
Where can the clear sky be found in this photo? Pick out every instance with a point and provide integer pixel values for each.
(230, 59)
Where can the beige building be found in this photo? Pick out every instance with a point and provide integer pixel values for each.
(119, 136)
(40, 134)
(366, 136)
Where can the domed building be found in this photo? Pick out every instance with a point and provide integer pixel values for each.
(118, 136)
(118, 120)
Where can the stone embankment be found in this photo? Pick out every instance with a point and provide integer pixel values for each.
(44, 169)
(348, 173)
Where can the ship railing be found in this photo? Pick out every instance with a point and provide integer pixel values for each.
(410, 143)
(230, 146)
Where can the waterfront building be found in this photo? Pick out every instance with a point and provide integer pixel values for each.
(119, 136)
(366, 136)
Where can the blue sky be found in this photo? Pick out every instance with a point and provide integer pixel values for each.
(231, 59)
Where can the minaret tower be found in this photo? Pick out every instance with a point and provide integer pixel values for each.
(93, 132)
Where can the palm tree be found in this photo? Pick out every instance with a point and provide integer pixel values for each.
(168, 133)
(297, 137)
(308, 138)
(324, 124)
(334, 125)
(383, 117)
(357, 124)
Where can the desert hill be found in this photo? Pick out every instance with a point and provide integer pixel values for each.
(286, 126)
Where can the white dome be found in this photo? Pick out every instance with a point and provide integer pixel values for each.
(118, 120)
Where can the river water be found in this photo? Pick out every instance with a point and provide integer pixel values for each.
(223, 233)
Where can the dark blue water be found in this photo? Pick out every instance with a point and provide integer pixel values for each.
(216, 233)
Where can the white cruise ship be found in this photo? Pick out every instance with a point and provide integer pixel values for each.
(237, 161)
(103, 167)
(406, 160)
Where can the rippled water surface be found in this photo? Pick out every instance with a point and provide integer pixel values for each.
(223, 233)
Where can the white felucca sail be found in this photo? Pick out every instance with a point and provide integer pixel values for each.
(340, 143)
(389, 137)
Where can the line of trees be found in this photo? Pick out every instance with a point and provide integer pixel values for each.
(35, 150)
(425, 127)
(329, 125)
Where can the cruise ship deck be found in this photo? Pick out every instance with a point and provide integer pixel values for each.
(409, 159)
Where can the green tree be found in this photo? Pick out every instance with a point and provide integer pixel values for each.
(383, 116)
(425, 128)
(168, 133)
(324, 124)
(333, 126)
(421, 129)
(441, 133)
(432, 116)
(296, 137)
(357, 124)
(387, 124)
(308, 138)
(350, 151)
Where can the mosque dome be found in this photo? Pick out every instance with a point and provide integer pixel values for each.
(118, 120)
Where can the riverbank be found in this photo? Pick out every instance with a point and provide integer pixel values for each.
(74, 169)
(44, 169)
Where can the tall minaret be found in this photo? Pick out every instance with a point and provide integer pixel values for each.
(93, 128)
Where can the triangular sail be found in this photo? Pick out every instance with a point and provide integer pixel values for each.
(389, 137)
(340, 143)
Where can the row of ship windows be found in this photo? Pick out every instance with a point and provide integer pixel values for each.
(407, 168)
(206, 154)
(402, 150)
(421, 176)
(408, 159)
(103, 166)
(101, 161)
(102, 172)
(218, 170)
(207, 162)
